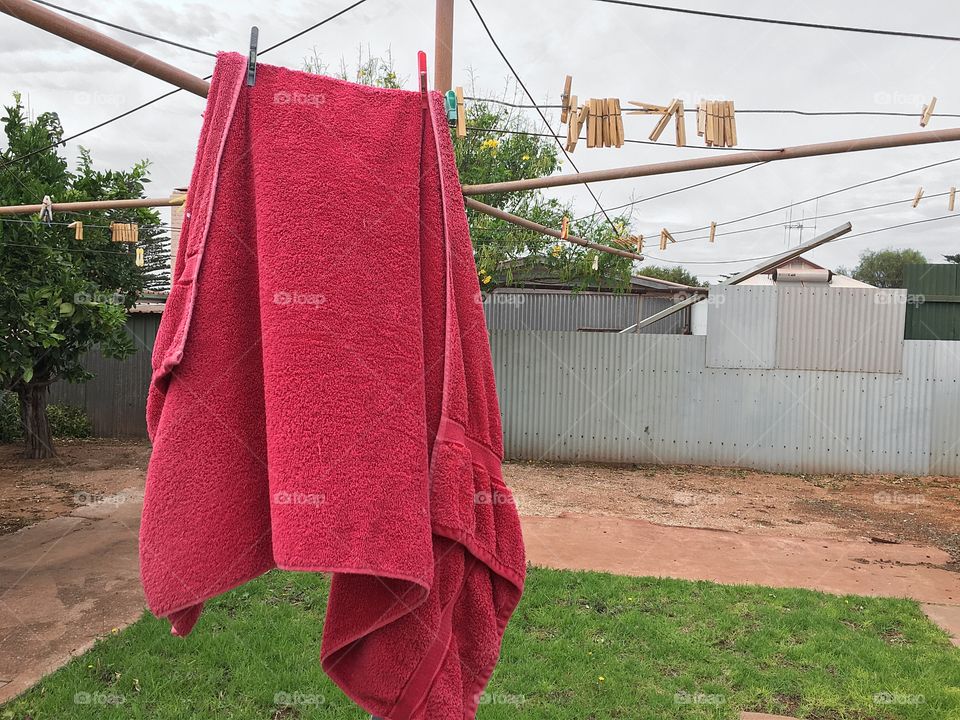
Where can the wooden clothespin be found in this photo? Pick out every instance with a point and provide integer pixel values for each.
(605, 128)
(596, 261)
(665, 236)
(681, 125)
(662, 123)
(46, 210)
(565, 228)
(713, 231)
(574, 123)
(461, 114)
(594, 129)
(732, 120)
(927, 111)
(565, 105)
(139, 260)
(953, 199)
(252, 56)
(618, 135)
(77, 229)
(124, 232)
(636, 240)
(916, 198)
(701, 117)
(646, 108)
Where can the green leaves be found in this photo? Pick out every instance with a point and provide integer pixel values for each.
(60, 296)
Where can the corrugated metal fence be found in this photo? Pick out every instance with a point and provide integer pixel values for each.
(115, 399)
(545, 310)
(652, 398)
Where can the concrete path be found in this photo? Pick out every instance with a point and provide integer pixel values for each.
(65, 582)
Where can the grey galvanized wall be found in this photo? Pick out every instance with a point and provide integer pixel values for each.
(652, 398)
(115, 400)
(794, 327)
(562, 311)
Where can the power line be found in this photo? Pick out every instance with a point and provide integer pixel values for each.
(171, 92)
(540, 112)
(792, 23)
(125, 29)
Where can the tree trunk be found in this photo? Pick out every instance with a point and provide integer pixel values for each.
(38, 443)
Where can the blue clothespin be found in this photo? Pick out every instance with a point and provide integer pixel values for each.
(450, 103)
(252, 57)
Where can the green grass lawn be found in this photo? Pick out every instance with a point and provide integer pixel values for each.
(581, 646)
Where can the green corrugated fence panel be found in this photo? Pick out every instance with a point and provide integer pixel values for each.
(933, 301)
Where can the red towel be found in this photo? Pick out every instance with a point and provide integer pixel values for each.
(323, 397)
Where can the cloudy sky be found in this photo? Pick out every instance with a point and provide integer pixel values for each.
(611, 51)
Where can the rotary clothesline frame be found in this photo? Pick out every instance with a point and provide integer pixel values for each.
(61, 26)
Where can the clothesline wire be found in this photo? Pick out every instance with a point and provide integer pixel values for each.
(791, 23)
(626, 140)
(765, 257)
(806, 113)
(122, 115)
(820, 197)
(543, 117)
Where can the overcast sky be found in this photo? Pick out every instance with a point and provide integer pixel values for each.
(611, 51)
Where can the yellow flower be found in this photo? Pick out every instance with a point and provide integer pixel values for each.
(490, 144)
(526, 157)
(601, 678)
(487, 279)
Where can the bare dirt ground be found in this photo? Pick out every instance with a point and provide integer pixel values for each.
(83, 471)
(880, 508)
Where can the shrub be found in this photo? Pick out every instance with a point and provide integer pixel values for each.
(66, 421)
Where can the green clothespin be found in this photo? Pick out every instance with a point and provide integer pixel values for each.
(450, 104)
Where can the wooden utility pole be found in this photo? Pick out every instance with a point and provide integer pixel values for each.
(443, 50)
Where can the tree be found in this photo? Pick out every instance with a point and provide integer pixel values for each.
(884, 268)
(501, 144)
(952, 258)
(677, 274)
(60, 296)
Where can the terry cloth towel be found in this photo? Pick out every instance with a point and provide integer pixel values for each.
(323, 396)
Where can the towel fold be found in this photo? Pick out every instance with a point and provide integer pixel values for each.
(323, 396)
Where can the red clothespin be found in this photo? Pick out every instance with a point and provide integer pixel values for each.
(422, 66)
